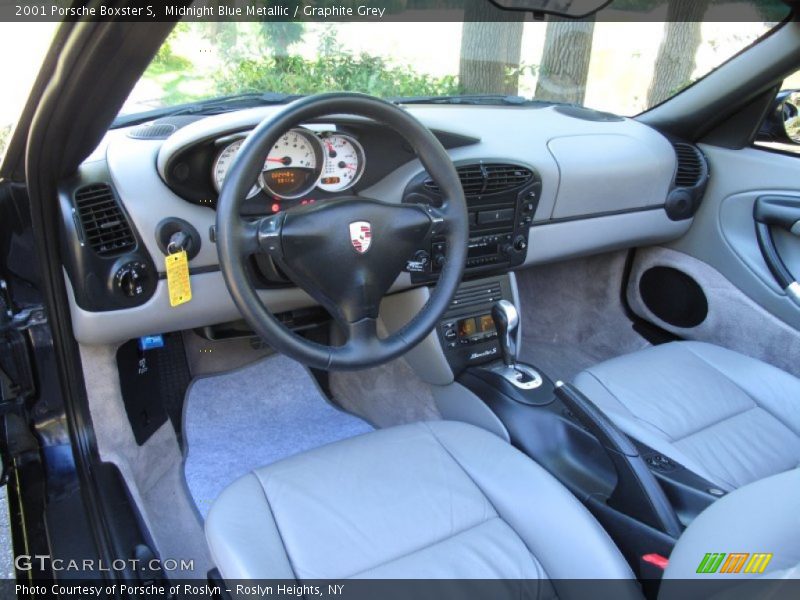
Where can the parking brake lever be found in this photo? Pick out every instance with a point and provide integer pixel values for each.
(637, 493)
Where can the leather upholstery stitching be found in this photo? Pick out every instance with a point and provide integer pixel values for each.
(744, 391)
(274, 520)
(715, 423)
(480, 489)
(625, 406)
(444, 539)
(433, 544)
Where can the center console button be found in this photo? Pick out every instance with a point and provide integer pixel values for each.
(495, 216)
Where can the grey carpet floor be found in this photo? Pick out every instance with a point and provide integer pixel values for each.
(387, 395)
(572, 315)
(254, 416)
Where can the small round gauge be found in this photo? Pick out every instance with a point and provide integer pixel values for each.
(292, 165)
(223, 163)
(344, 163)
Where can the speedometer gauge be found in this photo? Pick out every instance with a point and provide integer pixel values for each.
(223, 164)
(292, 165)
(344, 163)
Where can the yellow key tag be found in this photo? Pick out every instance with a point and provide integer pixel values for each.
(178, 283)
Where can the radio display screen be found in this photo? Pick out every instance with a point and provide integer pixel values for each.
(475, 326)
(479, 251)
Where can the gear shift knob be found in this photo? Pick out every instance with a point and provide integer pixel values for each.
(506, 322)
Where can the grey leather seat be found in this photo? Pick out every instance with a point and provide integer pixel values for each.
(428, 500)
(727, 417)
(757, 525)
(762, 517)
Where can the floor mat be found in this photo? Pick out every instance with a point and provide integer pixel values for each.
(252, 417)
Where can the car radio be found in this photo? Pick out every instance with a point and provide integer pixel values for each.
(501, 199)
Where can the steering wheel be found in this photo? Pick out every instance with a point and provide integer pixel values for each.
(345, 252)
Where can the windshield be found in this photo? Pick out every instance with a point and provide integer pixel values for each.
(619, 67)
(27, 43)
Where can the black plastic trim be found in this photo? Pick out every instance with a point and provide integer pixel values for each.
(777, 211)
(637, 492)
(92, 275)
(597, 215)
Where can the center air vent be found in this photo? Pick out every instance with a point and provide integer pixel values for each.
(691, 165)
(486, 179)
(105, 229)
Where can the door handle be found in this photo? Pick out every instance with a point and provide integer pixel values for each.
(783, 212)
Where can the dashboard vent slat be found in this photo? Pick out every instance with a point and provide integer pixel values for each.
(500, 178)
(476, 295)
(690, 165)
(478, 179)
(105, 228)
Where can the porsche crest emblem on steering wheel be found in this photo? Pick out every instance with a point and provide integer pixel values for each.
(360, 236)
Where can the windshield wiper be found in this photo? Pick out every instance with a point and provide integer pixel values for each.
(212, 106)
(488, 99)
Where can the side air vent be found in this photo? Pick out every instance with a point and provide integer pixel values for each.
(691, 165)
(152, 131)
(485, 179)
(477, 295)
(105, 229)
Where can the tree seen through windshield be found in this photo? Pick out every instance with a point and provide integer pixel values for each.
(623, 67)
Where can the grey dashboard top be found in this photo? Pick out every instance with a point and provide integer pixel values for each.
(603, 186)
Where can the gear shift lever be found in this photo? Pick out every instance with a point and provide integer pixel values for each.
(506, 322)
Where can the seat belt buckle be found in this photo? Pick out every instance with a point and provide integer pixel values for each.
(652, 566)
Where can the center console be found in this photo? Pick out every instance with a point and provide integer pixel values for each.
(642, 499)
(501, 198)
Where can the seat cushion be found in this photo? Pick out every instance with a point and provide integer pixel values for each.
(427, 500)
(762, 518)
(730, 418)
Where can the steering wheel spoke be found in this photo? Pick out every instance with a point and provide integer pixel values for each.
(268, 235)
(362, 334)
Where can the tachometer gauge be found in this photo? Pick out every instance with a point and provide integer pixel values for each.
(292, 165)
(223, 163)
(344, 163)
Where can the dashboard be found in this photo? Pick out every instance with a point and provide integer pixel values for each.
(310, 163)
(542, 184)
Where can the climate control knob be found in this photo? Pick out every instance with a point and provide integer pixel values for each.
(130, 279)
(520, 243)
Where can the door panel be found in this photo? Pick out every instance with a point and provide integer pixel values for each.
(748, 310)
(739, 228)
(733, 319)
(724, 234)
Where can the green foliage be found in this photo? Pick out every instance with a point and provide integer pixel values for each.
(332, 70)
(166, 59)
(171, 71)
(279, 35)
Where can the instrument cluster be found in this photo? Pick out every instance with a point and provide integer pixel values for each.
(298, 163)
